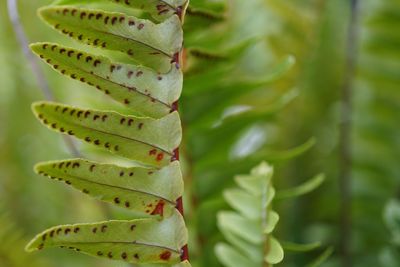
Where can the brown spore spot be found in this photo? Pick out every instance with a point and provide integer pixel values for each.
(140, 26)
(107, 92)
(67, 230)
(76, 165)
(140, 126)
(92, 167)
(112, 68)
(110, 255)
(55, 66)
(160, 156)
(88, 58)
(97, 142)
(44, 237)
(131, 23)
(99, 253)
(85, 191)
(68, 164)
(166, 255)
(73, 12)
(96, 62)
(53, 47)
(124, 255)
(76, 230)
(139, 73)
(127, 204)
(70, 132)
(130, 73)
(80, 37)
(54, 125)
(59, 231)
(90, 15)
(62, 50)
(70, 53)
(107, 145)
(122, 121)
(41, 246)
(83, 14)
(79, 55)
(159, 209)
(104, 228)
(116, 200)
(133, 226)
(131, 174)
(79, 113)
(116, 148)
(106, 19)
(87, 139)
(113, 20)
(121, 19)
(65, 11)
(94, 230)
(121, 173)
(52, 233)
(153, 152)
(104, 117)
(130, 52)
(82, 79)
(95, 117)
(136, 256)
(126, 101)
(87, 113)
(130, 121)
(99, 16)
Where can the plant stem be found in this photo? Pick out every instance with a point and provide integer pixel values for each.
(40, 78)
(345, 161)
(179, 64)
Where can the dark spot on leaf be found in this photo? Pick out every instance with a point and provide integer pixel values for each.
(116, 200)
(122, 121)
(121, 174)
(95, 117)
(85, 191)
(76, 230)
(136, 256)
(160, 156)
(44, 237)
(99, 16)
(140, 126)
(133, 226)
(124, 255)
(127, 204)
(126, 101)
(104, 117)
(89, 58)
(107, 145)
(87, 139)
(166, 255)
(139, 73)
(99, 253)
(90, 15)
(130, 73)
(92, 167)
(67, 230)
(83, 14)
(113, 20)
(104, 228)
(96, 62)
(97, 142)
(153, 152)
(106, 19)
(131, 174)
(131, 23)
(159, 209)
(94, 230)
(116, 148)
(140, 26)
(110, 255)
(130, 52)
(52, 233)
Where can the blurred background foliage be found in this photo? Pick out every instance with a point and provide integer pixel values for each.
(263, 82)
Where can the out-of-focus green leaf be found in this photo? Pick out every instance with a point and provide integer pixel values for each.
(303, 189)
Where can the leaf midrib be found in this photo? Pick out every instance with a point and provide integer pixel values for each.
(122, 188)
(122, 242)
(117, 135)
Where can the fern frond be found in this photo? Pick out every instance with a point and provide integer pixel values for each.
(151, 88)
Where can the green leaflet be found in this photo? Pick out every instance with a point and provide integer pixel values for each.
(154, 45)
(149, 191)
(145, 140)
(139, 88)
(302, 189)
(249, 227)
(158, 9)
(139, 241)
